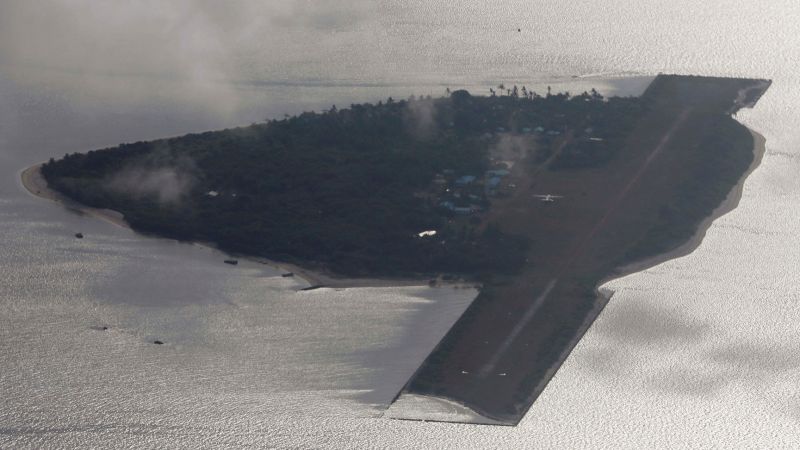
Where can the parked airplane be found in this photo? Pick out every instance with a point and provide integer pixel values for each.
(548, 197)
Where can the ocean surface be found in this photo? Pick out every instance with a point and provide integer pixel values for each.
(702, 351)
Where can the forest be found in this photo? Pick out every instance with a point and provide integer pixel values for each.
(346, 190)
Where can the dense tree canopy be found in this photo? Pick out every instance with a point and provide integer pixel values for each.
(341, 188)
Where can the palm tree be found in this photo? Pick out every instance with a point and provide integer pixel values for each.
(501, 87)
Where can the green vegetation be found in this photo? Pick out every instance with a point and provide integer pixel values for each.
(346, 189)
(659, 179)
(359, 191)
(727, 152)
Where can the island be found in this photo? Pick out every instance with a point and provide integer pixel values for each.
(537, 198)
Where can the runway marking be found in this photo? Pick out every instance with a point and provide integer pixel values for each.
(526, 318)
(489, 367)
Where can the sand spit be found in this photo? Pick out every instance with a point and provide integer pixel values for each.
(35, 183)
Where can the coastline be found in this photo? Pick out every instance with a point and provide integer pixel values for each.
(430, 408)
(33, 181)
(35, 184)
(604, 295)
(729, 204)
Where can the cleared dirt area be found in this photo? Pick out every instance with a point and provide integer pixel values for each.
(684, 155)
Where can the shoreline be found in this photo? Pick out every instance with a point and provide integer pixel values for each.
(36, 185)
(729, 204)
(603, 295)
(33, 181)
(430, 408)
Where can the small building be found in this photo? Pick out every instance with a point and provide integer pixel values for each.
(539, 129)
(526, 130)
(462, 210)
(465, 180)
(493, 182)
(497, 172)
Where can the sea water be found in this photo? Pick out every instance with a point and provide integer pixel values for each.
(701, 351)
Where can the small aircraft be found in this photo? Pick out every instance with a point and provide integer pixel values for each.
(548, 197)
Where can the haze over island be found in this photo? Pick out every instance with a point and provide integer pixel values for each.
(537, 197)
(699, 351)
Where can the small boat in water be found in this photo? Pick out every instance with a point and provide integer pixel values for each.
(311, 288)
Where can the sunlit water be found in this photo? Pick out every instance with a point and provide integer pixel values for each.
(702, 351)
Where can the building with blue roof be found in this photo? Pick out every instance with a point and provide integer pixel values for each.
(465, 180)
(497, 172)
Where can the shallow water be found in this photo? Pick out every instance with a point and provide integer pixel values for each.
(700, 351)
